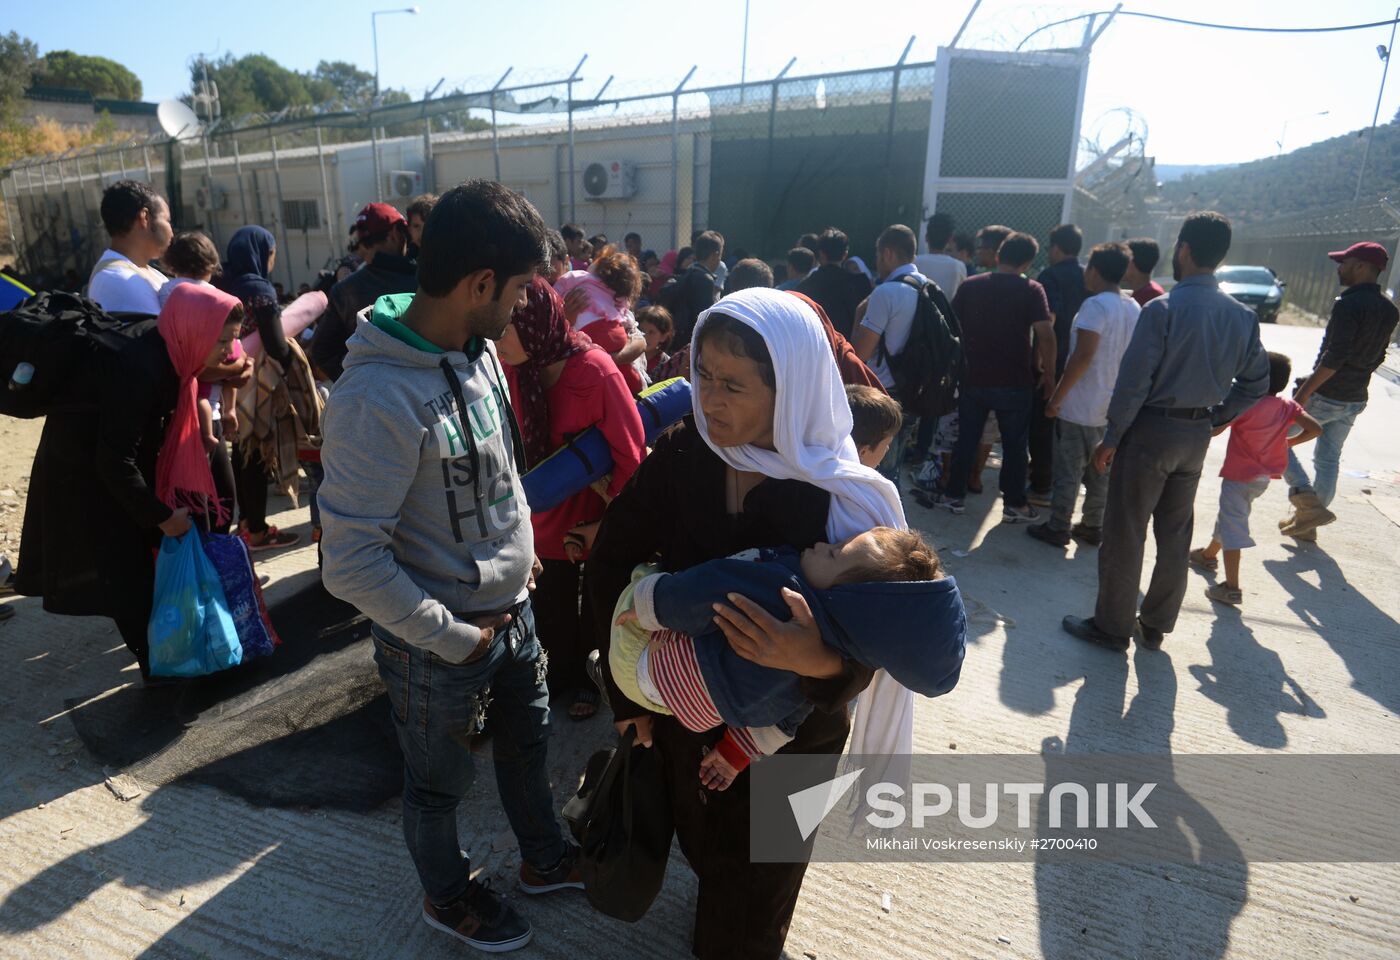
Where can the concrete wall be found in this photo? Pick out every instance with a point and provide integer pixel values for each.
(534, 160)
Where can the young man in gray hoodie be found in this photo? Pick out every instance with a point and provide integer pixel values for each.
(427, 532)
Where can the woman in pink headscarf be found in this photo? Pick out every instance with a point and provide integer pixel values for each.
(111, 479)
(564, 384)
(598, 302)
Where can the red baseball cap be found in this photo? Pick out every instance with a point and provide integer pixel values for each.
(375, 218)
(1366, 251)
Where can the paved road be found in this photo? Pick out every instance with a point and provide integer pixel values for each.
(1312, 665)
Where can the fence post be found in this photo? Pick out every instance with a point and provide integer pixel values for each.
(68, 209)
(9, 217)
(146, 159)
(374, 146)
(569, 86)
(325, 192)
(82, 198)
(238, 171)
(495, 134)
(280, 213)
(889, 134)
(772, 126)
(209, 193)
(121, 161)
(675, 157)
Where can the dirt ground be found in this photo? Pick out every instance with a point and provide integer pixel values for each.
(1310, 665)
(18, 440)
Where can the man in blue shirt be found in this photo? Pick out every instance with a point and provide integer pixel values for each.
(889, 314)
(1195, 363)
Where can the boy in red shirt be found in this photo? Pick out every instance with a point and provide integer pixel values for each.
(1258, 452)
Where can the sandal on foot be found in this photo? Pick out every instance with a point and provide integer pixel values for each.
(272, 539)
(1201, 559)
(587, 699)
(1223, 593)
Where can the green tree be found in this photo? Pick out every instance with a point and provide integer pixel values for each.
(338, 80)
(253, 84)
(97, 75)
(19, 61)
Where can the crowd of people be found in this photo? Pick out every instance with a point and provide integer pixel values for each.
(462, 343)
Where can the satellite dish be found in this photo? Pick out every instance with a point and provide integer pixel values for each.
(177, 120)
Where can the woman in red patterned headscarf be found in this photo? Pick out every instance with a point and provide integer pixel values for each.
(562, 385)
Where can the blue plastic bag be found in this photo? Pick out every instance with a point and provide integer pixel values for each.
(229, 555)
(191, 632)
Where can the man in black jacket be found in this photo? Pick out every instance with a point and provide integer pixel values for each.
(695, 291)
(1363, 321)
(381, 237)
(838, 290)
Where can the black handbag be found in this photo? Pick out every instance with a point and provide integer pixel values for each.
(621, 817)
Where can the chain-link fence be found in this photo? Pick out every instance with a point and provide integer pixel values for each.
(762, 162)
(1296, 248)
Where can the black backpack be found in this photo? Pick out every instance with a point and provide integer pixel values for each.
(63, 337)
(929, 368)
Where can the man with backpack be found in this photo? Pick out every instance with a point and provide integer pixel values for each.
(138, 221)
(885, 331)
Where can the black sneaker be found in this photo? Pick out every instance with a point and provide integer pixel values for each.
(1149, 637)
(480, 918)
(564, 875)
(1043, 533)
(1084, 628)
(1089, 536)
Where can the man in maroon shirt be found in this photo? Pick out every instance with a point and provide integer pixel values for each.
(1138, 280)
(999, 311)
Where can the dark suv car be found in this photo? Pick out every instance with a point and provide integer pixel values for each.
(1255, 287)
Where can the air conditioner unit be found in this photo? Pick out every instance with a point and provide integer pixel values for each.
(210, 198)
(404, 184)
(609, 180)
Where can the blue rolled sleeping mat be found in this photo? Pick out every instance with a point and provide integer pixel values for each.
(586, 457)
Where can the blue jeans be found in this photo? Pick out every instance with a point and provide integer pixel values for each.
(314, 473)
(1336, 418)
(436, 707)
(894, 457)
(1013, 409)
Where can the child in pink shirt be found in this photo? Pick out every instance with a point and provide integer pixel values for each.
(1258, 452)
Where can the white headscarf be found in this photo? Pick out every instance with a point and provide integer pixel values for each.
(812, 440)
(811, 416)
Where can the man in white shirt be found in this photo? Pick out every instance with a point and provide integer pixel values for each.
(889, 312)
(1079, 406)
(138, 221)
(946, 271)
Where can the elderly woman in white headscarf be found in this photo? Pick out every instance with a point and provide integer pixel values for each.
(767, 460)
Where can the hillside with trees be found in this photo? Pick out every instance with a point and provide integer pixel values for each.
(1322, 174)
(104, 79)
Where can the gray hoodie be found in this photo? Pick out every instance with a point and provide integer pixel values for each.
(409, 536)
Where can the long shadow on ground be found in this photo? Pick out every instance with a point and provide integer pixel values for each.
(307, 727)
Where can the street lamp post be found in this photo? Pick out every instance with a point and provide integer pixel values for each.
(1384, 53)
(374, 31)
(1283, 136)
(374, 140)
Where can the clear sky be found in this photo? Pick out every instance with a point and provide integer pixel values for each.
(1206, 96)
